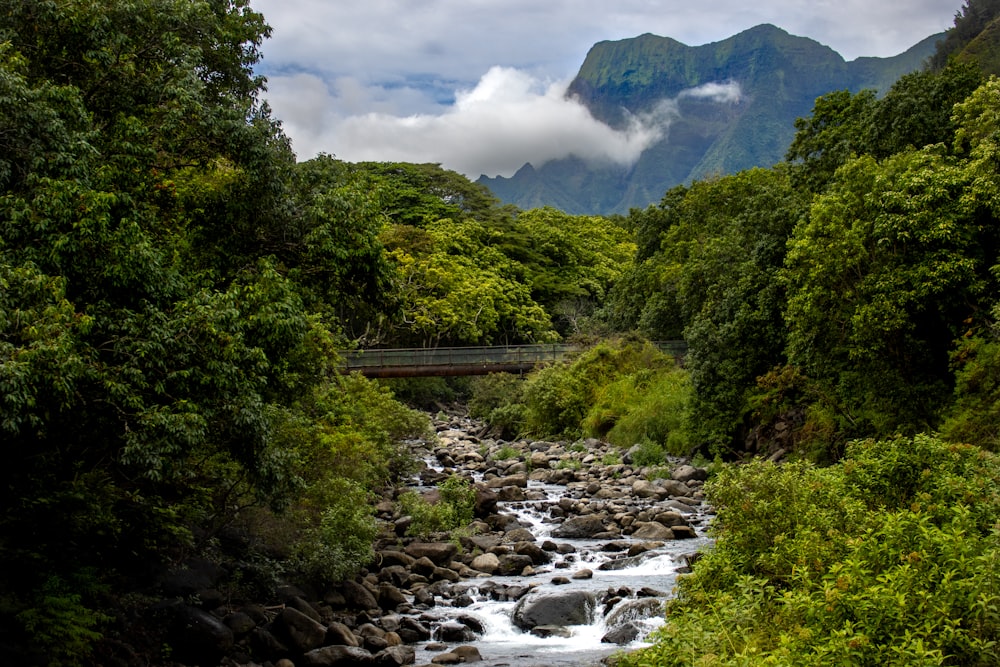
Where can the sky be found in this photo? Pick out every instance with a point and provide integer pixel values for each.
(478, 86)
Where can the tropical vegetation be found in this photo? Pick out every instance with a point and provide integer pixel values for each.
(175, 287)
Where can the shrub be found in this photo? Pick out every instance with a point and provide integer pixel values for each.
(455, 508)
(594, 390)
(887, 558)
(497, 399)
(341, 543)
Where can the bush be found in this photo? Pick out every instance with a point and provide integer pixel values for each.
(595, 390)
(887, 558)
(341, 543)
(647, 405)
(455, 508)
(497, 399)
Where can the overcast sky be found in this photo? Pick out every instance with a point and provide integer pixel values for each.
(478, 85)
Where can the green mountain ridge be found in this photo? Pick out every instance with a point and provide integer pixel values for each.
(779, 76)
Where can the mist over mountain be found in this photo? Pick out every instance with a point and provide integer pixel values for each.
(717, 109)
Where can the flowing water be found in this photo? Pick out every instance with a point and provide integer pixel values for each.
(503, 643)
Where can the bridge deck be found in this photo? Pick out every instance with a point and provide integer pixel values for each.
(440, 361)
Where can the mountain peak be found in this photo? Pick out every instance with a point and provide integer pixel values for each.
(779, 75)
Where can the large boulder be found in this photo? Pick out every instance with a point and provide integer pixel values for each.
(303, 633)
(440, 553)
(486, 501)
(687, 473)
(337, 656)
(358, 597)
(198, 633)
(488, 563)
(643, 488)
(395, 656)
(587, 525)
(569, 608)
(652, 530)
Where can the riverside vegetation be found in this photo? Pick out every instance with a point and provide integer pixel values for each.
(174, 287)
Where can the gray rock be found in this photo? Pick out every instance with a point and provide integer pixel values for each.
(488, 563)
(240, 623)
(453, 631)
(513, 564)
(395, 656)
(634, 610)
(440, 553)
(652, 530)
(546, 631)
(341, 635)
(580, 526)
(569, 608)
(687, 473)
(337, 656)
(622, 635)
(537, 555)
(198, 634)
(303, 633)
(643, 488)
(467, 653)
(674, 487)
(357, 596)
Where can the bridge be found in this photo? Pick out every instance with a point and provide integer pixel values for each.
(441, 361)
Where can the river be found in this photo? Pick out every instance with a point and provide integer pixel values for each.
(621, 587)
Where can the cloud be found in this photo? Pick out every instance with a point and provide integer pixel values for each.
(507, 119)
(728, 92)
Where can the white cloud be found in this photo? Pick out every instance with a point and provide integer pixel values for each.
(726, 92)
(507, 119)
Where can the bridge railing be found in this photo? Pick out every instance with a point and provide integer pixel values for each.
(466, 360)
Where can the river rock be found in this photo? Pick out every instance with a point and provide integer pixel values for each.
(440, 553)
(673, 487)
(198, 634)
(580, 526)
(545, 631)
(684, 532)
(569, 608)
(652, 530)
(395, 656)
(520, 480)
(388, 558)
(412, 630)
(486, 501)
(340, 634)
(390, 597)
(518, 535)
(302, 632)
(622, 635)
(537, 555)
(467, 653)
(488, 563)
(357, 596)
(634, 610)
(687, 473)
(337, 656)
(453, 631)
(513, 564)
(643, 488)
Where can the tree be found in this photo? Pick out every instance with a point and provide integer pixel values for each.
(881, 277)
(147, 340)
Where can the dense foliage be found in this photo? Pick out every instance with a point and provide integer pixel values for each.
(832, 297)
(887, 558)
(625, 391)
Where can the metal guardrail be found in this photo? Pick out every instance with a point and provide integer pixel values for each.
(404, 362)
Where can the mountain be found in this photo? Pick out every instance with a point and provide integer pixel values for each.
(778, 77)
